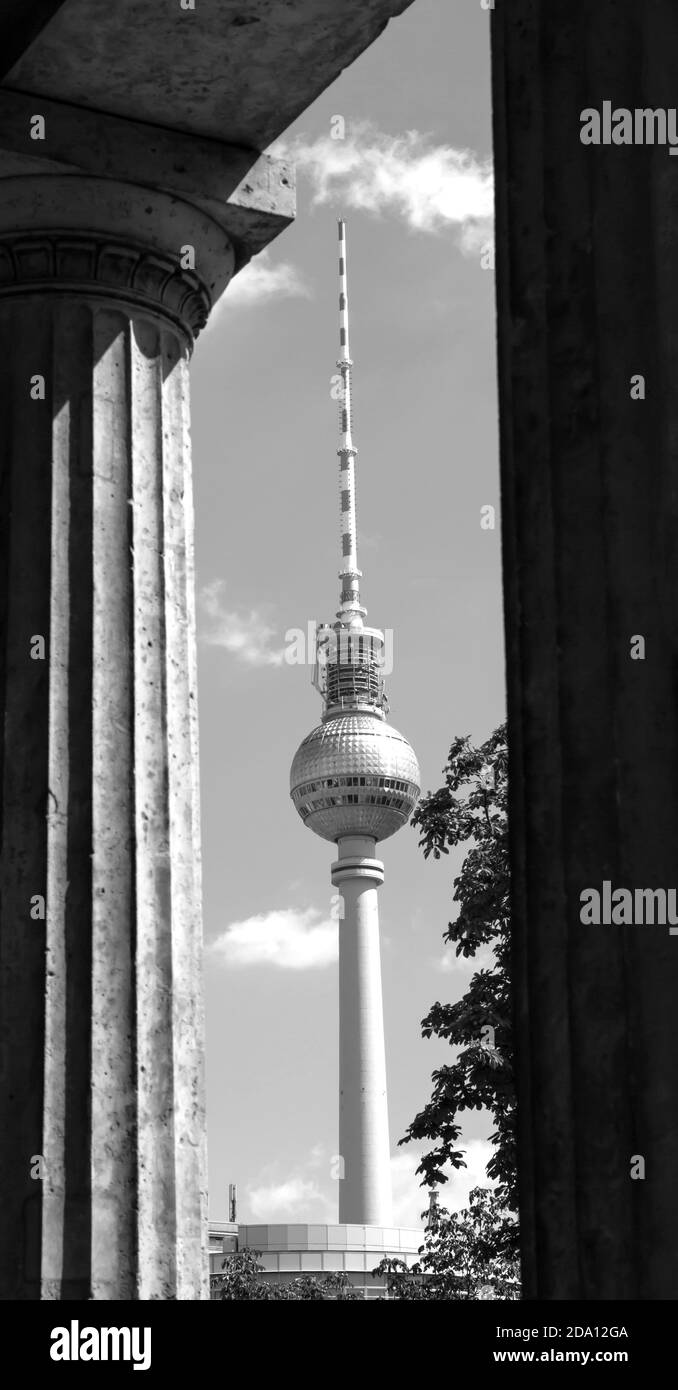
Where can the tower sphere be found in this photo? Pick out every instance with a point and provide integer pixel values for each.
(354, 775)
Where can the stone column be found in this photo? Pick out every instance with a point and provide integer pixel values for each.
(587, 300)
(365, 1190)
(102, 1153)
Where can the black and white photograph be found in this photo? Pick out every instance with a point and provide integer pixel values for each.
(339, 680)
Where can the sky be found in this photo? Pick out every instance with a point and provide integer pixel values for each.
(412, 177)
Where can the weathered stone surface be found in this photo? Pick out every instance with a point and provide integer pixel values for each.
(154, 119)
(99, 782)
(251, 197)
(182, 101)
(154, 226)
(240, 70)
(587, 295)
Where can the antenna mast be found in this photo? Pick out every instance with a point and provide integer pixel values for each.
(350, 657)
(351, 611)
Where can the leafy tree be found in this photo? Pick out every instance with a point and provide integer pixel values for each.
(241, 1279)
(466, 1255)
(472, 807)
(403, 1281)
(337, 1287)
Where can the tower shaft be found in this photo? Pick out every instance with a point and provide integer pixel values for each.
(365, 1190)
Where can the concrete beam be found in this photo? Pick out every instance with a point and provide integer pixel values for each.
(238, 70)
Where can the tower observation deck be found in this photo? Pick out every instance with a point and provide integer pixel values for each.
(355, 781)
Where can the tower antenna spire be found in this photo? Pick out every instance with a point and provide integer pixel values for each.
(351, 611)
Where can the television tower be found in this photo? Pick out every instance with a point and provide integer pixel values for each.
(355, 780)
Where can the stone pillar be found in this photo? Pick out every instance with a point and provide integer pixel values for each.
(365, 1190)
(587, 299)
(102, 1153)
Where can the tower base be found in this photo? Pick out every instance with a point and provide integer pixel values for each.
(290, 1251)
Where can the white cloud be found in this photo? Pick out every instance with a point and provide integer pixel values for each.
(296, 1199)
(247, 636)
(454, 1194)
(289, 939)
(304, 1196)
(410, 1200)
(300, 1196)
(451, 964)
(431, 186)
(260, 281)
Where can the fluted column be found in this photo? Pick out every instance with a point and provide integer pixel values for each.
(587, 313)
(102, 1149)
(365, 1190)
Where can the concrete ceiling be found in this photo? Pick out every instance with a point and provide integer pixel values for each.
(238, 71)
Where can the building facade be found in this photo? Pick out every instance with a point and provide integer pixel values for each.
(289, 1251)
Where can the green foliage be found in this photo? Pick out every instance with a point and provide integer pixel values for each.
(466, 1255)
(336, 1287)
(472, 807)
(241, 1279)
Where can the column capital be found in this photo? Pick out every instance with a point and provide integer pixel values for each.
(250, 196)
(104, 239)
(40, 262)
